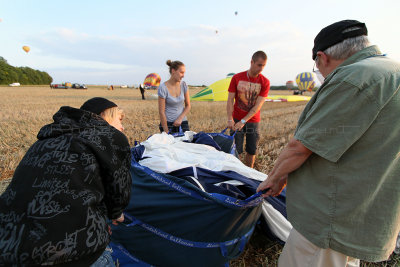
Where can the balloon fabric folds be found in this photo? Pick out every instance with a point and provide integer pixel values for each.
(217, 91)
(305, 81)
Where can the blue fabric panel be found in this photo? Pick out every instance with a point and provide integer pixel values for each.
(124, 258)
(208, 178)
(200, 219)
(226, 142)
(137, 152)
(213, 177)
(180, 215)
(205, 139)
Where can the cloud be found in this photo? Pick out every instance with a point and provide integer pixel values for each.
(208, 55)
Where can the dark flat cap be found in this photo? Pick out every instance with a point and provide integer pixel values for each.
(335, 33)
(97, 105)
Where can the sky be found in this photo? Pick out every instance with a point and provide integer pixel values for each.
(120, 42)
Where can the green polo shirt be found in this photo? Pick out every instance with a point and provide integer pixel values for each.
(346, 196)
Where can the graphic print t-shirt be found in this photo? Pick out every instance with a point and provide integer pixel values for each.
(247, 91)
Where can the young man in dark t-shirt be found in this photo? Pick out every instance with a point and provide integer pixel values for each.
(247, 93)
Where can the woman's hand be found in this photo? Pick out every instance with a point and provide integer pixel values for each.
(230, 125)
(177, 122)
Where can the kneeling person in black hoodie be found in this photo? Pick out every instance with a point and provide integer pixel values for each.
(74, 178)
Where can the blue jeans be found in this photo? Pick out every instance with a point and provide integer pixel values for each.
(105, 260)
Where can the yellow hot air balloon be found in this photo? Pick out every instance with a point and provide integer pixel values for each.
(26, 48)
(305, 81)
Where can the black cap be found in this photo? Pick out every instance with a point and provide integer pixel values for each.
(97, 105)
(333, 34)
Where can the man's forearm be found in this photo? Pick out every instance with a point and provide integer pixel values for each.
(251, 113)
(255, 108)
(229, 111)
(290, 159)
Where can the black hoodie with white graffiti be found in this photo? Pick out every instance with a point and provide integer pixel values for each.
(74, 178)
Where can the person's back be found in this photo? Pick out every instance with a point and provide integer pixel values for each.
(69, 182)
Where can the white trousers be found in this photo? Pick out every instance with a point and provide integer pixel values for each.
(299, 252)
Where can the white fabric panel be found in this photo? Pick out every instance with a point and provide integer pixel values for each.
(168, 154)
(278, 224)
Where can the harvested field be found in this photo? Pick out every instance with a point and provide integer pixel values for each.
(25, 110)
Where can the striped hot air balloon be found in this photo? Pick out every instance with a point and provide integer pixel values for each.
(152, 80)
(305, 81)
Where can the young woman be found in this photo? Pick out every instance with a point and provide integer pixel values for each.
(69, 183)
(174, 100)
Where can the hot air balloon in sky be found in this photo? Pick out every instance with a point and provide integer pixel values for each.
(289, 85)
(305, 81)
(236, 13)
(26, 48)
(152, 80)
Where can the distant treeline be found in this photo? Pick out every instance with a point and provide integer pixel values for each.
(23, 75)
(282, 87)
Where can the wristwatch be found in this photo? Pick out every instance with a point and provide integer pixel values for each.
(243, 121)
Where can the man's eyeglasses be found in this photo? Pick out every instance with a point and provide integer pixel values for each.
(317, 72)
(314, 69)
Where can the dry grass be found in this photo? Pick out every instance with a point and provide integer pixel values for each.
(24, 110)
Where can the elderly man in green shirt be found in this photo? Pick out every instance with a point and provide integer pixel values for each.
(342, 167)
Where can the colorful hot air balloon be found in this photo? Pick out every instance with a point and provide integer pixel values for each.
(152, 80)
(236, 13)
(289, 85)
(305, 81)
(26, 48)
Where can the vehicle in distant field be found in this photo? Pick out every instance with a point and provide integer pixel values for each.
(68, 85)
(79, 86)
(150, 87)
(298, 92)
(58, 86)
(124, 86)
(14, 84)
